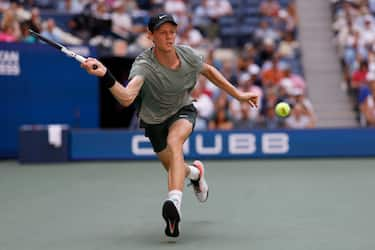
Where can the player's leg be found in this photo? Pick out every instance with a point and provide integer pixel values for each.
(195, 173)
(173, 160)
(165, 159)
(178, 133)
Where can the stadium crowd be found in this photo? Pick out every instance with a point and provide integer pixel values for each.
(265, 55)
(354, 28)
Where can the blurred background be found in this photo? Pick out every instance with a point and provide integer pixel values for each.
(318, 56)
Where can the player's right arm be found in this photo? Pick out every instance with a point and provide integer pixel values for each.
(124, 95)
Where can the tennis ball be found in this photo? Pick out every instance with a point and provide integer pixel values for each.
(282, 109)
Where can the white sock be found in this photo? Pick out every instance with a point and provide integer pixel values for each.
(176, 196)
(194, 173)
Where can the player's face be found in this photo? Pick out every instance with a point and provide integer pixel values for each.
(164, 37)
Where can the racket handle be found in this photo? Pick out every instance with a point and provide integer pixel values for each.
(81, 59)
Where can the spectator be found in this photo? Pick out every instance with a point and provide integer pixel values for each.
(288, 47)
(271, 120)
(35, 21)
(214, 9)
(10, 27)
(285, 91)
(269, 8)
(270, 99)
(71, 6)
(298, 97)
(236, 110)
(26, 36)
(245, 122)
(201, 19)
(211, 59)
(266, 52)
(296, 80)
(20, 13)
(229, 71)
(359, 76)
(292, 17)
(49, 31)
(203, 104)
(121, 21)
(178, 9)
(208, 88)
(254, 71)
(191, 37)
(265, 33)
(367, 106)
(7, 34)
(272, 76)
(175, 7)
(222, 101)
(367, 31)
(100, 10)
(141, 43)
(119, 48)
(219, 8)
(52, 32)
(220, 121)
(299, 118)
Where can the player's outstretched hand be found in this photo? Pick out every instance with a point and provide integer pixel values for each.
(250, 98)
(98, 70)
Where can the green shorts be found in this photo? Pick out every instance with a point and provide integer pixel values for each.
(158, 133)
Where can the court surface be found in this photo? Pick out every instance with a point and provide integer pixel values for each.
(254, 204)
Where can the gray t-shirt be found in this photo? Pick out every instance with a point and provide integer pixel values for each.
(164, 90)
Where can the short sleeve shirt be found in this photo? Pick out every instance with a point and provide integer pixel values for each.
(165, 90)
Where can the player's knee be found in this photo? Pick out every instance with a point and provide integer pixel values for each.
(174, 143)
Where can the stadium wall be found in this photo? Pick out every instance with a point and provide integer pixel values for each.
(125, 145)
(40, 85)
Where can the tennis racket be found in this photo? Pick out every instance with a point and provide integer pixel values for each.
(60, 47)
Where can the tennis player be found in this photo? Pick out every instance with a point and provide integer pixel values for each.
(161, 79)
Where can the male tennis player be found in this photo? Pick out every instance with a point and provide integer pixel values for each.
(162, 77)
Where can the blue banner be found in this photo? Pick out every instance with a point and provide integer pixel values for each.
(121, 144)
(40, 85)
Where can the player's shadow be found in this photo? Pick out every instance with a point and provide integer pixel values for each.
(152, 234)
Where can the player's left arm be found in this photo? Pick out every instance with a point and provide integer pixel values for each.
(212, 74)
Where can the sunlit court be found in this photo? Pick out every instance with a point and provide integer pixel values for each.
(254, 204)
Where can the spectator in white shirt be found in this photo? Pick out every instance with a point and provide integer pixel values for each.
(219, 8)
(191, 37)
(204, 106)
(299, 118)
(245, 84)
(121, 21)
(367, 32)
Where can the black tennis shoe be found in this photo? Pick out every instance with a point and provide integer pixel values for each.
(172, 219)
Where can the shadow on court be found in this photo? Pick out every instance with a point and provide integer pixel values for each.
(254, 204)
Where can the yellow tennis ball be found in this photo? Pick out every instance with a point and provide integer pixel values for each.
(282, 109)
